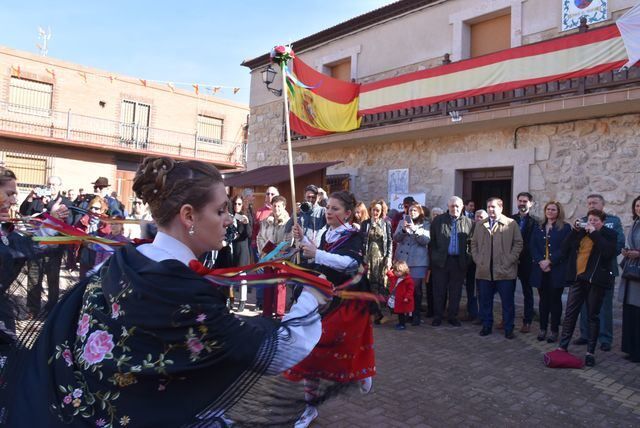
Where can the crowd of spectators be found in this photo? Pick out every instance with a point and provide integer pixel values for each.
(411, 253)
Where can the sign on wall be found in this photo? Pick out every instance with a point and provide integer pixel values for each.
(573, 10)
(398, 181)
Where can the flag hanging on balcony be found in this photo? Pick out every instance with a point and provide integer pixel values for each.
(319, 104)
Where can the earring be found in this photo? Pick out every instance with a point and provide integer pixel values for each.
(192, 231)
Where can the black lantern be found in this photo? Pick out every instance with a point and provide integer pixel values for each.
(268, 75)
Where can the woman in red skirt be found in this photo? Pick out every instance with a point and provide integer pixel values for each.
(344, 353)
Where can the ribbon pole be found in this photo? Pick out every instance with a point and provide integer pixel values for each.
(289, 151)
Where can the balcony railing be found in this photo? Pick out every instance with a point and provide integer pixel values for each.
(551, 90)
(78, 128)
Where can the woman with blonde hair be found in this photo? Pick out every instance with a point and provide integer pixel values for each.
(378, 245)
(549, 267)
(360, 215)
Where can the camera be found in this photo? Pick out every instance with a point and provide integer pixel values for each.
(306, 207)
(582, 224)
(42, 192)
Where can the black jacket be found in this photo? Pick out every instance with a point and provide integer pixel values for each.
(598, 271)
(531, 222)
(440, 236)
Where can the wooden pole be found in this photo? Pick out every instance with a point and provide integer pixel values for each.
(289, 151)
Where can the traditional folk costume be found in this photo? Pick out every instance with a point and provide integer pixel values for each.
(345, 351)
(149, 342)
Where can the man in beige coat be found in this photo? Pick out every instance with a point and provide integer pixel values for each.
(495, 247)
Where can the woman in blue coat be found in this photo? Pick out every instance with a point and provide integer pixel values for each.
(549, 267)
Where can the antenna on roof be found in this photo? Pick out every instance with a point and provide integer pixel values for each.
(45, 36)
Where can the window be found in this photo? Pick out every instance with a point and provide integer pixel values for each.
(31, 171)
(30, 96)
(134, 126)
(341, 70)
(209, 129)
(491, 35)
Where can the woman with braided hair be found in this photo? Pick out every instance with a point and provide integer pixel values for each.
(148, 341)
(345, 351)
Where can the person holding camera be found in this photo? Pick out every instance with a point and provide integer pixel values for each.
(41, 200)
(591, 250)
(597, 202)
(311, 215)
(412, 237)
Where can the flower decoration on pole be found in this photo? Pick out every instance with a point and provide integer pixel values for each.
(281, 54)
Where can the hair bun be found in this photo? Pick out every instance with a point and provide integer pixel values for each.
(151, 177)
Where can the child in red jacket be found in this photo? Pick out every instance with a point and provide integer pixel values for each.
(401, 292)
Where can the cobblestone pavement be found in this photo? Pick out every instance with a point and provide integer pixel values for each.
(450, 376)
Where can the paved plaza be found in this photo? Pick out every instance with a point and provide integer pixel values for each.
(451, 377)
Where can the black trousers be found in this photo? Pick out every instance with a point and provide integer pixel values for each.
(417, 298)
(579, 293)
(447, 280)
(550, 303)
(48, 265)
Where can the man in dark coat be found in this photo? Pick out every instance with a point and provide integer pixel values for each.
(527, 222)
(450, 256)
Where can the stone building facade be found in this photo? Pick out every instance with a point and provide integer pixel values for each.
(560, 148)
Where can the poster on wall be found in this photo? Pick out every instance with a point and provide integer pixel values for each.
(573, 10)
(398, 181)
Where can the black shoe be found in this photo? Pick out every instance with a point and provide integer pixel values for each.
(241, 307)
(509, 335)
(606, 347)
(542, 335)
(454, 322)
(485, 331)
(553, 337)
(589, 360)
(580, 341)
(436, 322)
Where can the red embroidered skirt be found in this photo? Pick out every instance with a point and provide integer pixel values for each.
(345, 351)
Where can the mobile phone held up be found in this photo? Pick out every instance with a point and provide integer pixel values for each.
(407, 219)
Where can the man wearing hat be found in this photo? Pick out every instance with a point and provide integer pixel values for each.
(101, 188)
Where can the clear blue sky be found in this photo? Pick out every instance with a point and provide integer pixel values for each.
(179, 41)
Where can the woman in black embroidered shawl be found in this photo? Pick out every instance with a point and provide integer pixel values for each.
(148, 342)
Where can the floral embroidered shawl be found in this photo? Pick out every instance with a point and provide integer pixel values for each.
(143, 344)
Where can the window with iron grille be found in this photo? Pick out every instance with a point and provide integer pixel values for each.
(30, 170)
(30, 96)
(134, 123)
(209, 129)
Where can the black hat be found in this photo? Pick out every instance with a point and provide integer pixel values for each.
(101, 182)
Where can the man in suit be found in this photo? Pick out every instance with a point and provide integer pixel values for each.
(526, 223)
(495, 247)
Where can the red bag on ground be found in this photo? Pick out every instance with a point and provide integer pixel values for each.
(560, 359)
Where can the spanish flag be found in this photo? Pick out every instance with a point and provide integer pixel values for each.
(319, 104)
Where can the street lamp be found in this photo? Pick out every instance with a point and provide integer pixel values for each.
(268, 76)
